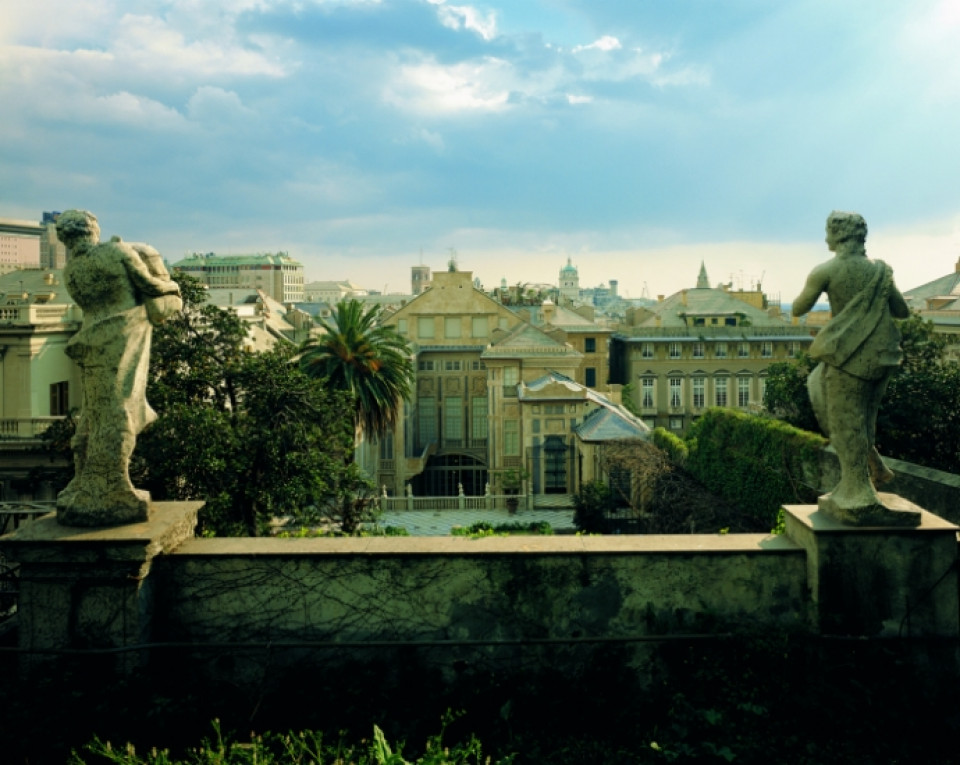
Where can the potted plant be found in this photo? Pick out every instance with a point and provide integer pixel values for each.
(512, 482)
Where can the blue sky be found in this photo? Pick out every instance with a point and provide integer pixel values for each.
(636, 137)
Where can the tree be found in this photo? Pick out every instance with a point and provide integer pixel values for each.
(919, 418)
(369, 361)
(786, 397)
(248, 433)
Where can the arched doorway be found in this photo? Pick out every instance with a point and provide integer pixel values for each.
(444, 473)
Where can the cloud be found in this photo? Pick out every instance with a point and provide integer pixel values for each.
(467, 17)
(574, 99)
(153, 44)
(605, 43)
(211, 104)
(129, 109)
(427, 86)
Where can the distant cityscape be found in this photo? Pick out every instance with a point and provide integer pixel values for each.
(530, 378)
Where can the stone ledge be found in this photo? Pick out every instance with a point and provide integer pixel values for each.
(510, 545)
(46, 541)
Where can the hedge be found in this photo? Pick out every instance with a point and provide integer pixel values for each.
(756, 463)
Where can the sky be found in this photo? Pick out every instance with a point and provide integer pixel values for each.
(635, 137)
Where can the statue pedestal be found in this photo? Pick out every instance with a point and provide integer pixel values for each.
(89, 588)
(874, 581)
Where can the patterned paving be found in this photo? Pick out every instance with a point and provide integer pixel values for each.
(432, 523)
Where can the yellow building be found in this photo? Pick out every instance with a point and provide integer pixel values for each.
(493, 393)
(699, 348)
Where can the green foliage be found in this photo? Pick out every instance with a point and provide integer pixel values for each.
(295, 748)
(250, 434)
(627, 399)
(369, 361)
(786, 397)
(485, 529)
(674, 446)
(591, 505)
(308, 532)
(754, 462)
(919, 417)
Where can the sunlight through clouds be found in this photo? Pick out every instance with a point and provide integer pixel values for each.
(471, 86)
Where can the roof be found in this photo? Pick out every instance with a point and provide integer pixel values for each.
(611, 422)
(606, 422)
(943, 292)
(209, 260)
(526, 339)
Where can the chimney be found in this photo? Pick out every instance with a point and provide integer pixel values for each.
(660, 298)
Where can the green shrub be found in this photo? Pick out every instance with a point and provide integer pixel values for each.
(594, 500)
(675, 447)
(485, 529)
(757, 463)
(294, 749)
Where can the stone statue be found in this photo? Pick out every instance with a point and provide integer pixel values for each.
(123, 290)
(858, 350)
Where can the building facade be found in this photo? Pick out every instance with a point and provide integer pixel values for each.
(493, 394)
(278, 275)
(699, 348)
(38, 382)
(19, 244)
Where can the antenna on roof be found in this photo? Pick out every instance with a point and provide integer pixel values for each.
(452, 263)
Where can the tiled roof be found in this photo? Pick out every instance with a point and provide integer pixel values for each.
(705, 301)
(611, 423)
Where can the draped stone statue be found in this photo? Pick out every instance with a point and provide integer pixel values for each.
(123, 289)
(857, 351)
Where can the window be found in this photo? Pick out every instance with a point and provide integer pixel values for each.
(511, 376)
(676, 423)
(720, 350)
(451, 327)
(793, 349)
(386, 447)
(762, 387)
(425, 327)
(553, 408)
(675, 350)
(427, 416)
(743, 391)
(453, 419)
(478, 326)
(676, 392)
(511, 438)
(730, 321)
(452, 365)
(698, 350)
(591, 377)
(478, 411)
(766, 349)
(720, 391)
(646, 350)
(590, 345)
(425, 366)
(401, 326)
(699, 386)
(60, 399)
(743, 350)
(646, 393)
(477, 365)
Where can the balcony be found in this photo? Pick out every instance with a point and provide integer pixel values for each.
(26, 429)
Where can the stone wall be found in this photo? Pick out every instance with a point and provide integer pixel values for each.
(247, 609)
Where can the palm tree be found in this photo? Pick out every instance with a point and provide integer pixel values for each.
(371, 361)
